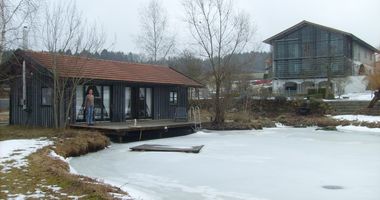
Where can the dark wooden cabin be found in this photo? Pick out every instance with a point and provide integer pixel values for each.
(122, 90)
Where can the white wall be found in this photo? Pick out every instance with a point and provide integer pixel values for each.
(350, 84)
(355, 84)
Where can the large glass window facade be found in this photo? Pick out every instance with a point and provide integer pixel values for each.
(308, 52)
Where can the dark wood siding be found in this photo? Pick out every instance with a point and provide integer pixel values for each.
(162, 107)
(161, 102)
(35, 114)
(118, 102)
(39, 115)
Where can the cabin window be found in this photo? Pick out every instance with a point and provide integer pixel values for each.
(335, 67)
(280, 49)
(293, 49)
(145, 103)
(173, 98)
(46, 96)
(294, 67)
(79, 102)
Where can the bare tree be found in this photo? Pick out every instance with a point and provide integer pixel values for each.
(64, 30)
(155, 39)
(219, 33)
(14, 15)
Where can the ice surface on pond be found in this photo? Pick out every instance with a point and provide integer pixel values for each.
(277, 164)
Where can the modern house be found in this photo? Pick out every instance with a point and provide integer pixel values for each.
(307, 54)
(122, 90)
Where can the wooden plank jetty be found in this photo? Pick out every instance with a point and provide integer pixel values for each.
(167, 148)
(121, 129)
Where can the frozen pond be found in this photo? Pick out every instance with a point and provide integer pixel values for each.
(278, 164)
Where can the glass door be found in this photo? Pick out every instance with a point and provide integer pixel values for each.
(97, 91)
(128, 103)
(79, 103)
(144, 103)
(106, 97)
(102, 101)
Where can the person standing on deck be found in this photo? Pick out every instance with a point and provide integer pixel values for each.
(89, 106)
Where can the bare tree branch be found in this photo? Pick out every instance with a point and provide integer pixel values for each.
(155, 39)
(14, 15)
(65, 29)
(220, 33)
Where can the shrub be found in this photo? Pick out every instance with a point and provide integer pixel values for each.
(374, 80)
(316, 93)
(77, 143)
(319, 107)
(280, 99)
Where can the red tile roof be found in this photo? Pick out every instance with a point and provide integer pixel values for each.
(81, 67)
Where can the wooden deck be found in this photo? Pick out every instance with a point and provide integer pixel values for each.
(121, 129)
(167, 148)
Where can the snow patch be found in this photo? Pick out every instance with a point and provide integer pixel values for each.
(120, 196)
(38, 194)
(360, 118)
(54, 155)
(355, 129)
(355, 96)
(75, 197)
(356, 84)
(54, 188)
(13, 153)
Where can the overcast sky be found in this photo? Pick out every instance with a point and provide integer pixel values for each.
(120, 18)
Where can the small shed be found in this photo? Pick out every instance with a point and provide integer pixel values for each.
(122, 90)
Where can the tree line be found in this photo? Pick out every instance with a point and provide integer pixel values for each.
(186, 62)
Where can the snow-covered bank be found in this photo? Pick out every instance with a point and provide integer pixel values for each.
(358, 96)
(13, 153)
(358, 129)
(278, 163)
(359, 118)
(362, 96)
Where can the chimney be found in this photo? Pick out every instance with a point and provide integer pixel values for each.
(25, 38)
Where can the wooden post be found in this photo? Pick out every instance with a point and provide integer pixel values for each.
(140, 135)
